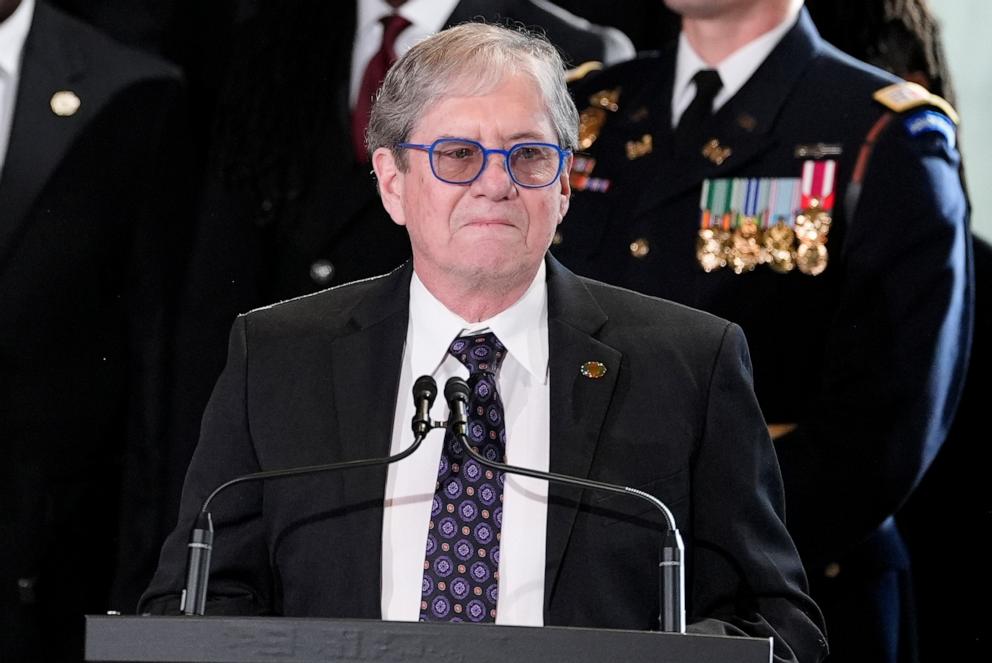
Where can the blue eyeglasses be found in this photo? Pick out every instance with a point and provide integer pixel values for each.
(461, 161)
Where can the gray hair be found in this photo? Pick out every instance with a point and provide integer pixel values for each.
(471, 59)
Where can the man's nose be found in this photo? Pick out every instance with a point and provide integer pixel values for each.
(495, 179)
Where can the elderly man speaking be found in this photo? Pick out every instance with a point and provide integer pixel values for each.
(471, 140)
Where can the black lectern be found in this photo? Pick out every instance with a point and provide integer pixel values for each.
(291, 640)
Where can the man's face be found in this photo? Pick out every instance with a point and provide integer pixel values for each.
(488, 230)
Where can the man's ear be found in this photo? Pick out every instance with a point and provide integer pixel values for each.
(390, 181)
(566, 188)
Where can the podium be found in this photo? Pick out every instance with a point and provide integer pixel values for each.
(296, 640)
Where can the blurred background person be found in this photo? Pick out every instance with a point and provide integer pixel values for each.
(91, 228)
(754, 171)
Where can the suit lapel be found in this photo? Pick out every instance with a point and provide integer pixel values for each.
(578, 404)
(744, 124)
(365, 368)
(39, 138)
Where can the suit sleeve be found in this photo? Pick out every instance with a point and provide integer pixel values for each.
(744, 575)
(898, 347)
(240, 574)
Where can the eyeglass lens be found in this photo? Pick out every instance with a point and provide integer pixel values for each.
(530, 164)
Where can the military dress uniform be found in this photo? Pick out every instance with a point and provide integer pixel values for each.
(823, 212)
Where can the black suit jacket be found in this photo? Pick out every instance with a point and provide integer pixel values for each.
(674, 415)
(259, 243)
(87, 245)
(868, 357)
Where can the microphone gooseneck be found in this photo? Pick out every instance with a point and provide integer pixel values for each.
(670, 566)
(194, 596)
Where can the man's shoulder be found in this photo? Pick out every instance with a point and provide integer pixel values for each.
(835, 69)
(631, 75)
(100, 54)
(331, 310)
(864, 90)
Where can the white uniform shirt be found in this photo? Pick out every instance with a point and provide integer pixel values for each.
(13, 33)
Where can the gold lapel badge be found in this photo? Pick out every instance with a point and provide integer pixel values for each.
(639, 148)
(591, 119)
(716, 152)
(593, 370)
(65, 103)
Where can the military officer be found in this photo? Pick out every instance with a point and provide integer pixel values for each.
(754, 171)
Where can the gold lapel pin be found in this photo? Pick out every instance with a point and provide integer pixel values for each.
(715, 152)
(593, 370)
(639, 148)
(747, 122)
(65, 103)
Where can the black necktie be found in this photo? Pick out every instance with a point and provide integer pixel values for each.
(688, 133)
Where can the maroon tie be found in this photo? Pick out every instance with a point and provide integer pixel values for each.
(375, 72)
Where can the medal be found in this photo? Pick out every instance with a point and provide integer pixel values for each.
(711, 238)
(813, 222)
(811, 258)
(709, 249)
(778, 238)
(746, 251)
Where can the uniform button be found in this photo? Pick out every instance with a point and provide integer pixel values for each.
(832, 570)
(264, 216)
(640, 248)
(322, 272)
(26, 590)
(556, 240)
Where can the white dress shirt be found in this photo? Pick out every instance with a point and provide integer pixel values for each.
(13, 33)
(426, 17)
(524, 387)
(734, 70)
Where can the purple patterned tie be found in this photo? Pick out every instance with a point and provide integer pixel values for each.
(461, 567)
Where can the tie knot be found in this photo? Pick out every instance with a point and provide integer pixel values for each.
(481, 353)
(707, 82)
(392, 26)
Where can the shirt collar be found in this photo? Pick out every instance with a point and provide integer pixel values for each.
(429, 15)
(522, 328)
(736, 68)
(13, 33)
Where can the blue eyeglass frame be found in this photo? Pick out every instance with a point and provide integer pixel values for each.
(562, 153)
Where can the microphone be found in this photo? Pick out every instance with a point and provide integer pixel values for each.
(424, 393)
(671, 588)
(194, 596)
(457, 393)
